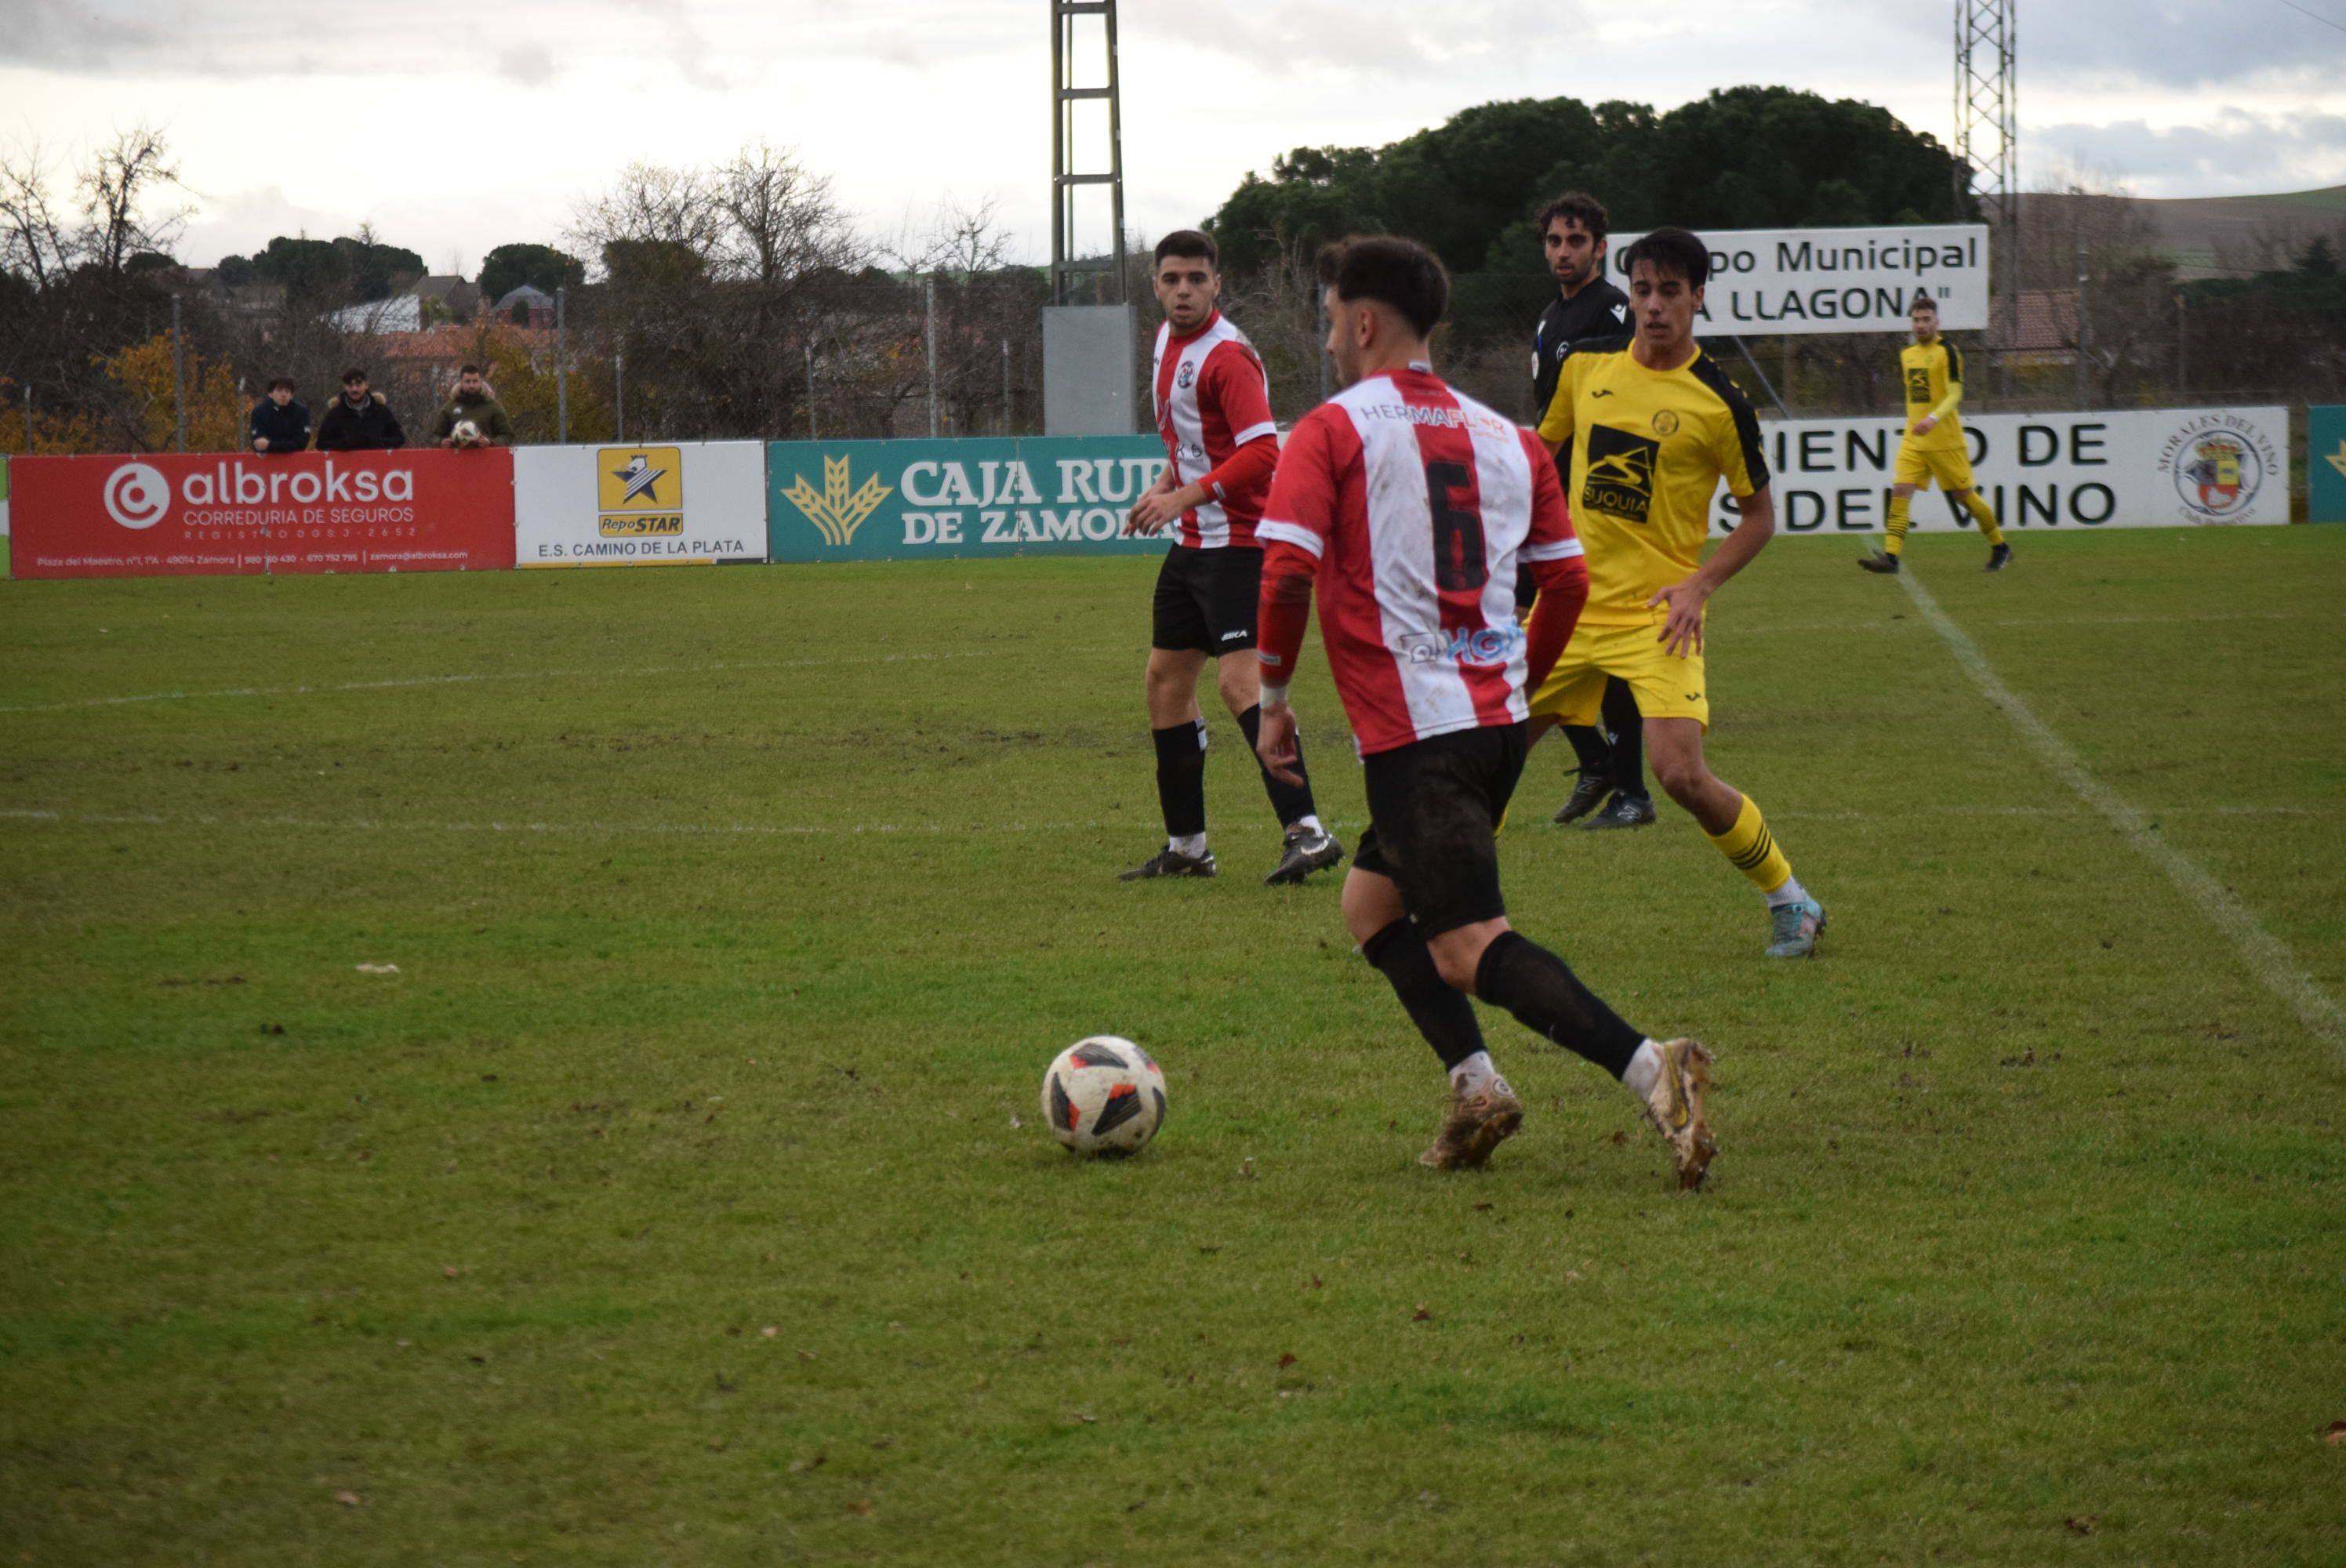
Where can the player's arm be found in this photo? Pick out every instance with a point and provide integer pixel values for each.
(1555, 423)
(1736, 449)
(1952, 401)
(1554, 553)
(1296, 523)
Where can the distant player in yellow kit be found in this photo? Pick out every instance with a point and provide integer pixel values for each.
(1932, 371)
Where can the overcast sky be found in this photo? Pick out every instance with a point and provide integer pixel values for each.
(454, 127)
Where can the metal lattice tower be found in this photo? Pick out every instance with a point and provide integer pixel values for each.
(1988, 136)
(1067, 185)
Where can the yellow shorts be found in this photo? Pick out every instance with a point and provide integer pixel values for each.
(1950, 465)
(1665, 685)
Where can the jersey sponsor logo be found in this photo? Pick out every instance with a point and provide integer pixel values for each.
(1620, 312)
(840, 508)
(1477, 646)
(1918, 384)
(1620, 477)
(1602, 392)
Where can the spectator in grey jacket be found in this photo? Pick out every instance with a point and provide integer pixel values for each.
(279, 423)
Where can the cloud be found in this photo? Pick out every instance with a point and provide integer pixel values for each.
(528, 65)
(2239, 152)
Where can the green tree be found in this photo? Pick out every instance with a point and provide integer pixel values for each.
(1742, 157)
(508, 267)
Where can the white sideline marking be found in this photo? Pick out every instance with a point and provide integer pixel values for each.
(2268, 956)
(397, 684)
(1781, 628)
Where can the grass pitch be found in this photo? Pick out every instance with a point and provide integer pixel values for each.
(680, 1197)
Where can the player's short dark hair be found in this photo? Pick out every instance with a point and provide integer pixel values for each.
(1576, 207)
(355, 374)
(285, 382)
(1391, 270)
(470, 370)
(1673, 252)
(1191, 242)
(1922, 302)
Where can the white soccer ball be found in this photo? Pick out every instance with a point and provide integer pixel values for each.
(466, 433)
(1103, 1095)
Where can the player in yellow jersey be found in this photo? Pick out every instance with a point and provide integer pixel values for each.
(1655, 425)
(1932, 371)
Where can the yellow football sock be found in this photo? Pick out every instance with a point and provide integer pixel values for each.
(1900, 519)
(1990, 530)
(1752, 848)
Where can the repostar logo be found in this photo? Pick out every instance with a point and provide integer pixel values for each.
(137, 495)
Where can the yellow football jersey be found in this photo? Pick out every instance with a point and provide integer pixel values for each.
(1648, 450)
(1932, 376)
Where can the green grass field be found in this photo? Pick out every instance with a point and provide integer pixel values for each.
(680, 1200)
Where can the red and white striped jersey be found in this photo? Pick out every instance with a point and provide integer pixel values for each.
(1212, 397)
(1417, 503)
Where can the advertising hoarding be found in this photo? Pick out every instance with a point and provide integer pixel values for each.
(173, 515)
(915, 499)
(1769, 282)
(670, 504)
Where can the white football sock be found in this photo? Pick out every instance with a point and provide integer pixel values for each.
(1191, 844)
(1788, 891)
(1309, 819)
(1644, 1070)
(1477, 1074)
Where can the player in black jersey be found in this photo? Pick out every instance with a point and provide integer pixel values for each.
(1588, 305)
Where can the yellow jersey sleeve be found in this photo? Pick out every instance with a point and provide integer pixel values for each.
(1954, 384)
(1734, 433)
(1556, 425)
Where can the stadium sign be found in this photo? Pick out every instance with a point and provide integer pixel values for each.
(661, 505)
(1770, 283)
(174, 515)
(2136, 468)
(906, 500)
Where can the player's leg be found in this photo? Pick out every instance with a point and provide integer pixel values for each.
(1571, 700)
(1912, 473)
(1305, 844)
(1176, 658)
(1594, 778)
(1732, 822)
(1632, 805)
(1450, 878)
(1962, 489)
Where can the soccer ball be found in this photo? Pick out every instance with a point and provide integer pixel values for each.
(466, 433)
(1103, 1095)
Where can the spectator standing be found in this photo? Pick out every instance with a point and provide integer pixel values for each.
(474, 402)
(279, 423)
(359, 419)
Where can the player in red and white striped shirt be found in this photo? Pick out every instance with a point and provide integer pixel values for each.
(1213, 408)
(1407, 506)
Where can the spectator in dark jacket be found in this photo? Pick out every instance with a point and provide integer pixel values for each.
(359, 419)
(279, 423)
(474, 404)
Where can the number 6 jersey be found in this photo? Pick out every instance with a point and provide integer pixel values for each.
(1414, 502)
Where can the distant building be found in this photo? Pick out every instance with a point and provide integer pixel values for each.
(447, 297)
(403, 313)
(526, 307)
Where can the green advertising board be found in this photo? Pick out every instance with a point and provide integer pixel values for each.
(916, 500)
(2325, 458)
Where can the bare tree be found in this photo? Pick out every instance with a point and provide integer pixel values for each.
(114, 189)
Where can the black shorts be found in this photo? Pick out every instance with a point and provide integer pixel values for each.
(1206, 599)
(1435, 808)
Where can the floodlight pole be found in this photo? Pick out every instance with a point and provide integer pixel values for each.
(1065, 181)
(1987, 146)
(561, 369)
(179, 380)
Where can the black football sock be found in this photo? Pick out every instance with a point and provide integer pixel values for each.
(1629, 727)
(1588, 745)
(1440, 1012)
(1292, 801)
(1548, 998)
(1181, 776)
